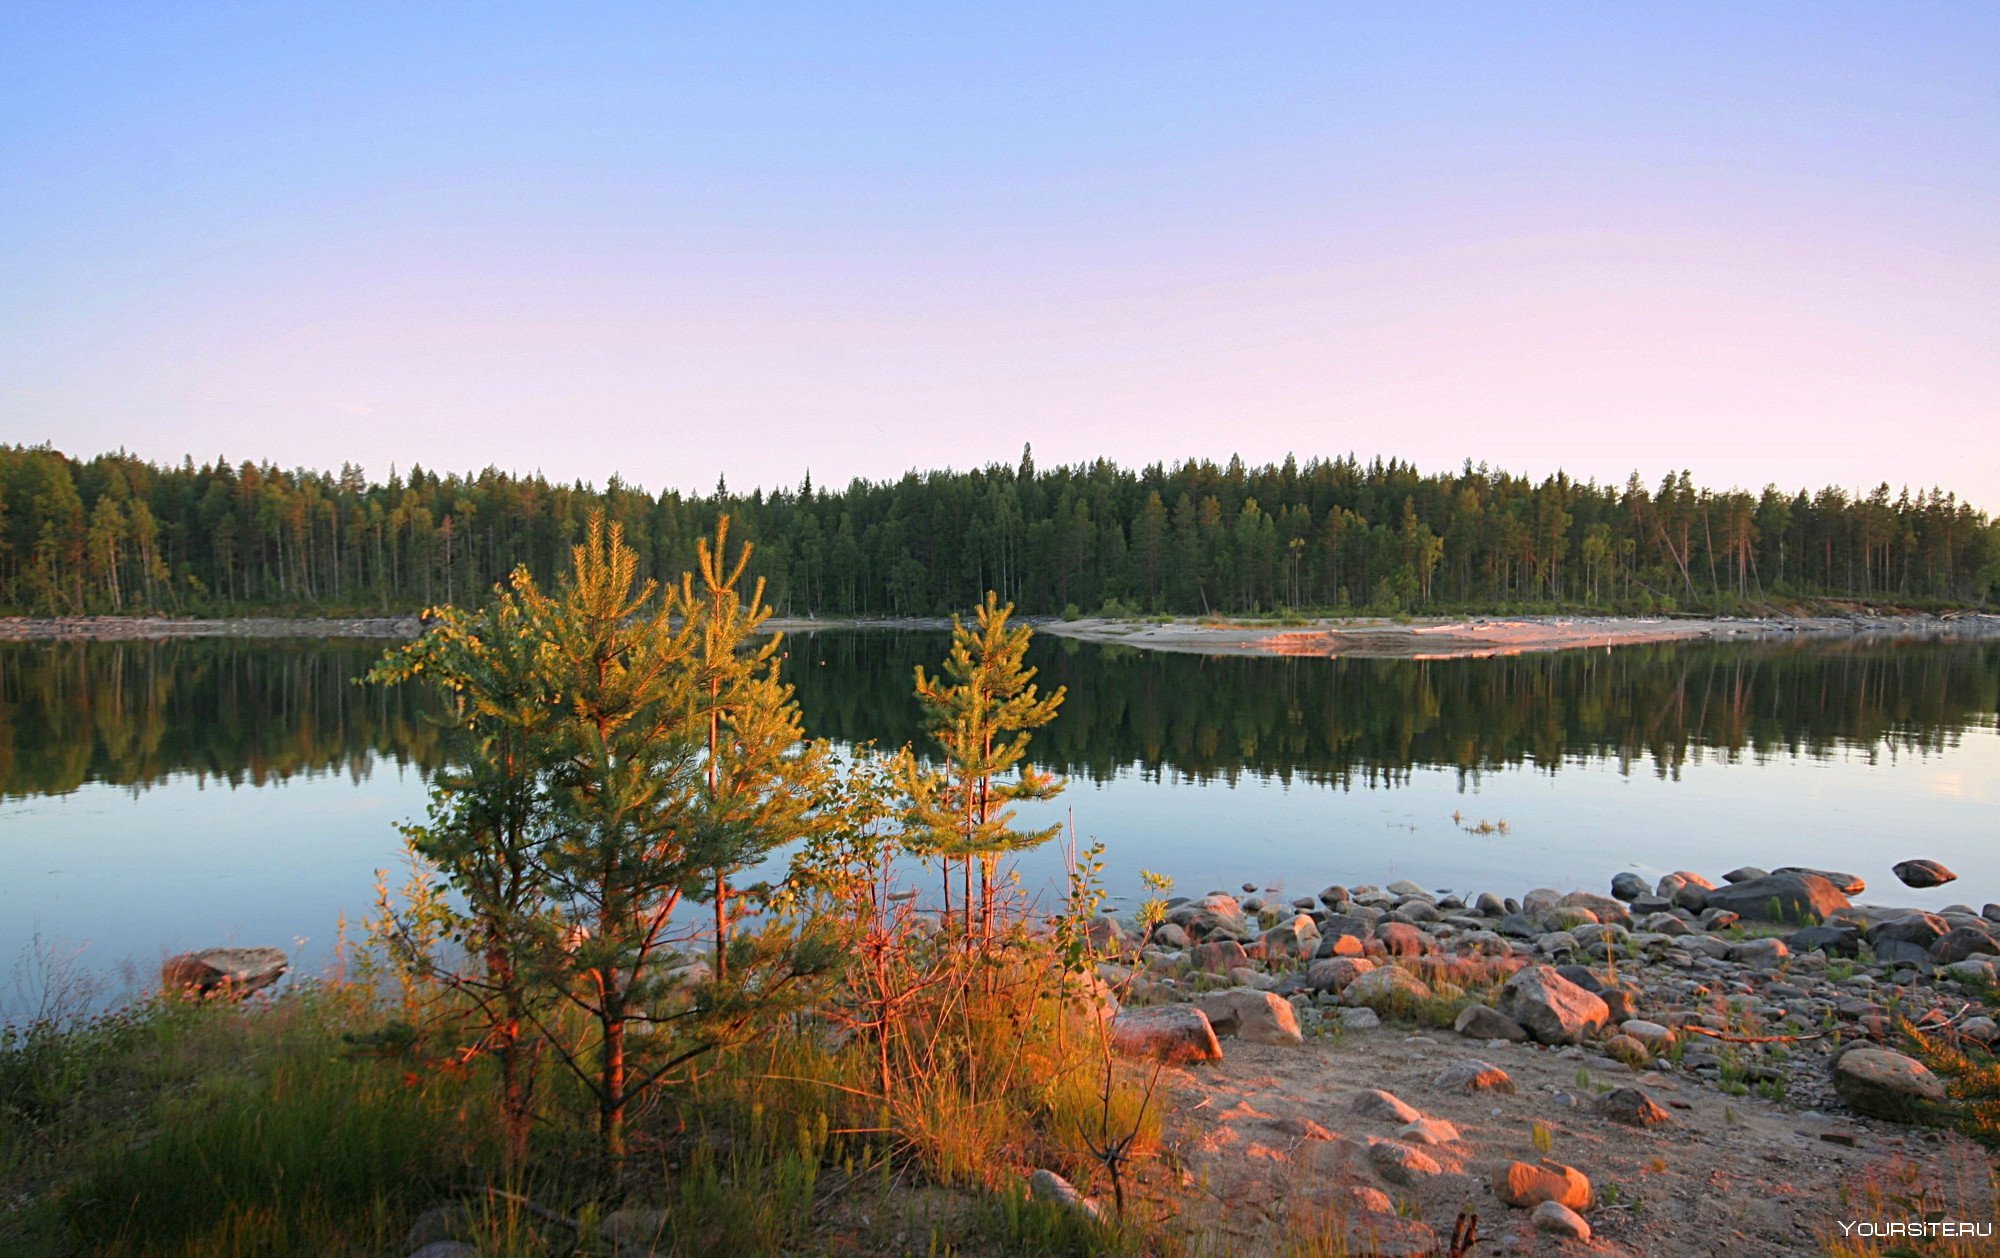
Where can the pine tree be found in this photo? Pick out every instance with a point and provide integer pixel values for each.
(981, 709)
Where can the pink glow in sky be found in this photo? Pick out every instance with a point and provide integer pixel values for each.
(1760, 243)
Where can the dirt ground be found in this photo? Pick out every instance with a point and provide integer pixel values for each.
(1270, 1137)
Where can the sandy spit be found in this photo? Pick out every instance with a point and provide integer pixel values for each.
(1478, 637)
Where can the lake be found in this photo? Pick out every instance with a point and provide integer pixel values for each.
(159, 796)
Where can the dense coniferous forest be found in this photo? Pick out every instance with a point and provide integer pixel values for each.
(116, 534)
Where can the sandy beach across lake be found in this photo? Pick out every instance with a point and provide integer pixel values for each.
(1478, 637)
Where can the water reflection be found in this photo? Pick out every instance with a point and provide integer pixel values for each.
(1342, 721)
(135, 714)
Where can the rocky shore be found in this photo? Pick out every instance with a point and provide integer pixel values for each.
(1684, 1066)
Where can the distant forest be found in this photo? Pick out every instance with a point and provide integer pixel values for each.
(117, 534)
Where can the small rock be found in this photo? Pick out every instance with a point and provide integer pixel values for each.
(1628, 887)
(1481, 1022)
(1558, 1219)
(1045, 1185)
(1759, 952)
(634, 1227)
(1624, 1048)
(1744, 873)
(1523, 1185)
(1359, 1019)
(1633, 1107)
(446, 1249)
(1428, 1130)
(1400, 1164)
(1656, 1038)
(1921, 873)
(1333, 974)
(1474, 1076)
(1386, 1106)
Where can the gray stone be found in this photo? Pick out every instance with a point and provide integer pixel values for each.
(1386, 988)
(1922, 873)
(1961, 942)
(446, 1249)
(1558, 1219)
(1628, 887)
(1169, 1033)
(1744, 873)
(1553, 1009)
(1835, 939)
(1759, 952)
(1296, 939)
(1480, 1022)
(1220, 956)
(634, 1227)
(1885, 1084)
(1257, 1017)
(1386, 1106)
(1359, 1020)
(1921, 929)
(1045, 1185)
(1400, 1164)
(1404, 940)
(1471, 1075)
(1633, 1107)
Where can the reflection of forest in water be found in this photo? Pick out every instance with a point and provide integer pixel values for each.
(1342, 720)
(134, 713)
(235, 711)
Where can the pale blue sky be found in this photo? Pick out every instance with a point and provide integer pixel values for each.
(1761, 241)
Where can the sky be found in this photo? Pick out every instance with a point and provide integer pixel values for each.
(675, 242)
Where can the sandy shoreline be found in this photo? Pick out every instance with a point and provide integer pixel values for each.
(1479, 637)
(1429, 638)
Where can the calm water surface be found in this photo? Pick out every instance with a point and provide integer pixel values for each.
(162, 796)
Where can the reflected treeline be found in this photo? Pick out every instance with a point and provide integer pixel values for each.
(136, 713)
(1373, 720)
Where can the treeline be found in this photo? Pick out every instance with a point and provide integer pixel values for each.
(117, 534)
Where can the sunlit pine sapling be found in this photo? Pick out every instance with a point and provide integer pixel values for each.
(488, 814)
(633, 830)
(765, 782)
(980, 711)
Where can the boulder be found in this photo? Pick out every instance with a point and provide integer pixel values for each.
(1168, 935)
(1296, 939)
(1835, 939)
(1486, 904)
(1797, 896)
(1961, 942)
(1386, 987)
(1427, 1130)
(1921, 929)
(1339, 946)
(1171, 1033)
(1627, 887)
(1404, 940)
(1744, 873)
(1482, 1022)
(1219, 916)
(1624, 1048)
(1221, 956)
(1526, 1186)
(1333, 974)
(1352, 1019)
(1653, 1036)
(1633, 1107)
(1106, 934)
(1474, 1076)
(1883, 1083)
(1846, 884)
(1601, 908)
(1553, 1009)
(223, 971)
(1254, 1016)
(1758, 952)
(1557, 1219)
(1922, 874)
